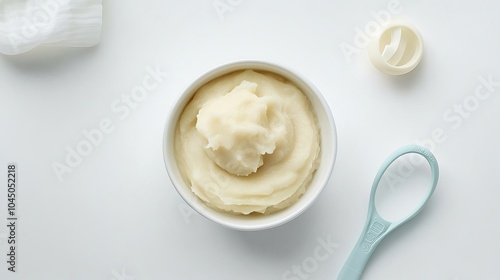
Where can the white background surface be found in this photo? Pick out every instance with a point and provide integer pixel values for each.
(117, 216)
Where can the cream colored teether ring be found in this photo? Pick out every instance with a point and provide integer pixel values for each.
(397, 49)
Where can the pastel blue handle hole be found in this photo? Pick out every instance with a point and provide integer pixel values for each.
(403, 187)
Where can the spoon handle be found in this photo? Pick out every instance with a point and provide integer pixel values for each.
(375, 230)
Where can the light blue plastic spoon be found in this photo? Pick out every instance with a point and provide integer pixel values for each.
(376, 228)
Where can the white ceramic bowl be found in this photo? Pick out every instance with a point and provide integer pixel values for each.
(320, 178)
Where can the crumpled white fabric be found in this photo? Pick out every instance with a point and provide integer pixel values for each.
(25, 24)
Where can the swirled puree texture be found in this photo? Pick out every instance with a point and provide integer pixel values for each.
(248, 142)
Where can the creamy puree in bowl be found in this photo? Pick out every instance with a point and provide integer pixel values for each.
(248, 142)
